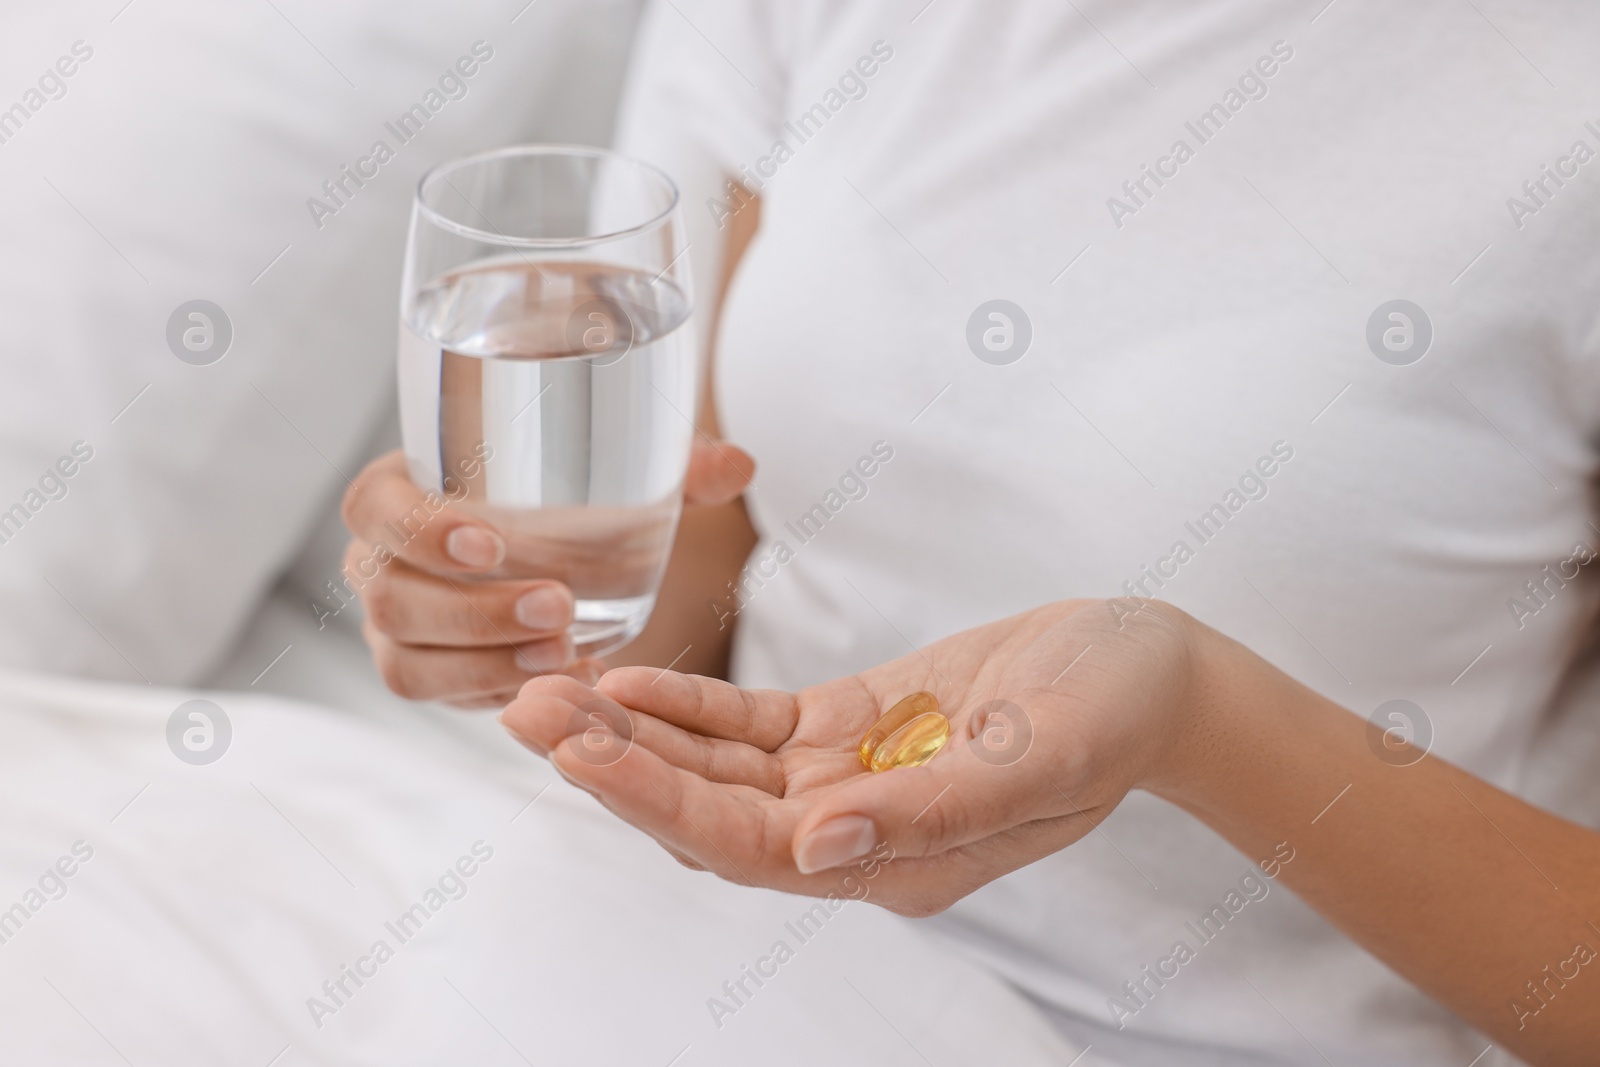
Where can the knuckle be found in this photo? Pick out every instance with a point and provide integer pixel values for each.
(474, 674)
(729, 873)
(902, 908)
(919, 907)
(385, 606)
(707, 757)
(481, 702)
(396, 673)
(483, 673)
(917, 897)
(682, 858)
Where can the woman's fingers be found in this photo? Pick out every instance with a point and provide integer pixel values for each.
(764, 718)
(728, 821)
(737, 832)
(549, 710)
(435, 632)
(471, 675)
(486, 702)
(743, 835)
(414, 607)
(383, 507)
(716, 760)
(718, 472)
(955, 799)
(542, 713)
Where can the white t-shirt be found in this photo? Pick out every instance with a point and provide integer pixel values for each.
(1204, 213)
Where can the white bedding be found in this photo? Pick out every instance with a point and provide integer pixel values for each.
(219, 898)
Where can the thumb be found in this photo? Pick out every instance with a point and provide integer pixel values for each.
(718, 472)
(954, 799)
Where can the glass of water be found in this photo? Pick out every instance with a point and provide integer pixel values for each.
(548, 376)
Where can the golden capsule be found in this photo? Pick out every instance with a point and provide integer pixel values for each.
(896, 717)
(914, 744)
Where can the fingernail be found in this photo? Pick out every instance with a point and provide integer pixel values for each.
(542, 656)
(543, 609)
(836, 842)
(473, 546)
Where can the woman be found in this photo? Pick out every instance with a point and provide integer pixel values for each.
(1190, 315)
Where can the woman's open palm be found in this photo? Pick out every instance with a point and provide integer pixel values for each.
(1055, 714)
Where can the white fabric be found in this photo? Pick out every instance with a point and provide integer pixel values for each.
(178, 165)
(205, 906)
(1176, 342)
(216, 900)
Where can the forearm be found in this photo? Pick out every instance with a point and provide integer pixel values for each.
(689, 629)
(1478, 898)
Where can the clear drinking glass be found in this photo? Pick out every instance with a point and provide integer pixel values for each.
(548, 376)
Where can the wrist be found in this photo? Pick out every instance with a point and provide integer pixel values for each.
(1215, 723)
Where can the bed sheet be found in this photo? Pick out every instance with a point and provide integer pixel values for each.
(305, 899)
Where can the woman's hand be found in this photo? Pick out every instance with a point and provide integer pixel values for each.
(1399, 850)
(1055, 715)
(438, 626)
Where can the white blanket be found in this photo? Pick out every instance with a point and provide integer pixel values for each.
(207, 906)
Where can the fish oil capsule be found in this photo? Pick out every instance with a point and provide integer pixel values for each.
(914, 744)
(903, 712)
(908, 734)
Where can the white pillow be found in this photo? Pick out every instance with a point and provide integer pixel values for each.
(182, 159)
